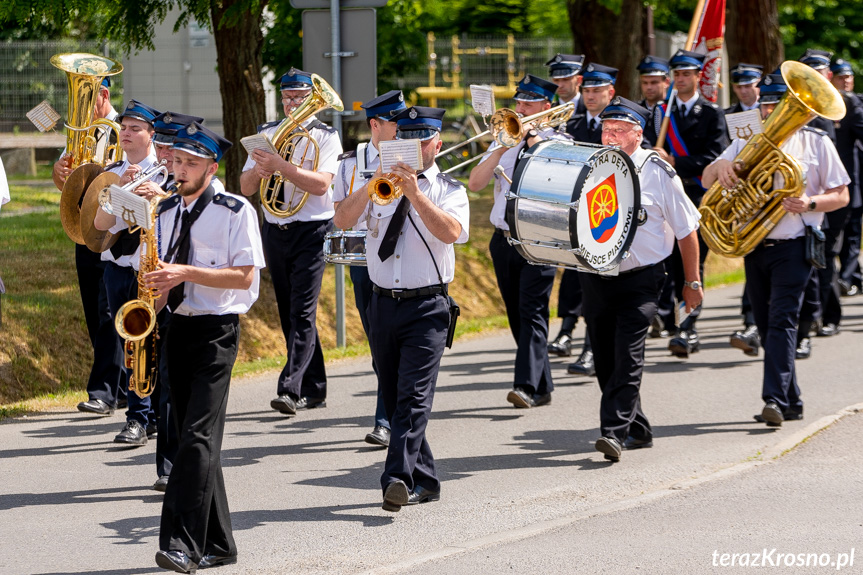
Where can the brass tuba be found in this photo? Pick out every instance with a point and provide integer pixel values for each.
(734, 221)
(286, 138)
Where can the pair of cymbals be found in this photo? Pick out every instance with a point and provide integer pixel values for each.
(79, 202)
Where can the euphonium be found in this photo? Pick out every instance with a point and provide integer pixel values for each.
(734, 221)
(84, 75)
(136, 319)
(286, 138)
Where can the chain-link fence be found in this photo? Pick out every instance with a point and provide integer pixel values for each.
(27, 77)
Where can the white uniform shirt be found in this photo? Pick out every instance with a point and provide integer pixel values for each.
(4, 186)
(507, 161)
(317, 208)
(822, 169)
(348, 172)
(411, 266)
(120, 225)
(670, 214)
(220, 238)
(218, 188)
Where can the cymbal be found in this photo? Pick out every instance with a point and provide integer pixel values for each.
(70, 200)
(95, 239)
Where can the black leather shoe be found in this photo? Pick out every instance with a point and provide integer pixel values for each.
(422, 495)
(804, 349)
(584, 365)
(828, 330)
(175, 561)
(161, 484)
(311, 402)
(152, 432)
(520, 398)
(122, 403)
(847, 289)
(380, 435)
(284, 404)
(395, 496)
(133, 434)
(610, 447)
(747, 340)
(212, 560)
(561, 346)
(771, 414)
(635, 443)
(96, 406)
(657, 330)
(683, 344)
(540, 400)
(786, 415)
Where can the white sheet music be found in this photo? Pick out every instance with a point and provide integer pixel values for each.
(258, 142)
(744, 125)
(482, 99)
(395, 151)
(130, 207)
(43, 116)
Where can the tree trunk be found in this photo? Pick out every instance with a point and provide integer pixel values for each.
(610, 39)
(238, 54)
(752, 33)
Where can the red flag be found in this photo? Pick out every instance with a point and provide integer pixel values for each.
(708, 40)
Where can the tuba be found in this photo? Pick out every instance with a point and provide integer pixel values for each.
(287, 136)
(136, 319)
(734, 221)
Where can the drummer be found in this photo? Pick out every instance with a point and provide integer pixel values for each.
(355, 170)
(618, 308)
(525, 288)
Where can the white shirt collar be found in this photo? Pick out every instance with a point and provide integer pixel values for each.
(687, 105)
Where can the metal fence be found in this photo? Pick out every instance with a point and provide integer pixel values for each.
(27, 77)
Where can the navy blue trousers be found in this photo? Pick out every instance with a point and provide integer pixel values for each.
(831, 309)
(776, 279)
(850, 251)
(569, 298)
(618, 311)
(106, 371)
(407, 339)
(362, 297)
(195, 516)
(525, 289)
(295, 259)
(122, 286)
(168, 439)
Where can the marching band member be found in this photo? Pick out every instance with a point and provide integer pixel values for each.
(618, 308)
(295, 248)
(697, 135)
(525, 288)
(104, 389)
(564, 70)
(136, 135)
(410, 264)
(355, 170)
(597, 91)
(209, 274)
(653, 78)
(776, 270)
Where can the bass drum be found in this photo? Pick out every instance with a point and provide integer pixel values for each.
(574, 205)
(346, 247)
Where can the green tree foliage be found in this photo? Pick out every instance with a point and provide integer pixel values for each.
(833, 25)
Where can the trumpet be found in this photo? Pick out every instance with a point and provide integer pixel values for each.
(384, 189)
(145, 176)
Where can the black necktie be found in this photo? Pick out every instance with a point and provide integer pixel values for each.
(391, 236)
(593, 125)
(182, 247)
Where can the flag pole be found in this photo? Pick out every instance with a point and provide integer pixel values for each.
(690, 41)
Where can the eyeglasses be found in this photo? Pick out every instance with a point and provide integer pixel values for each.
(294, 100)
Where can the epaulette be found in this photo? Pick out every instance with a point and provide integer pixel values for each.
(714, 105)
(346, 155)
(232, 204)
(449, 179)
(110, 167)
(854, 99)
(818, 131)
(263, 127)
(168, 203)
(326, 128)
(663, 164)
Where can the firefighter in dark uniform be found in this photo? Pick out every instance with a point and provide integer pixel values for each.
(653, 79)
(702, 137)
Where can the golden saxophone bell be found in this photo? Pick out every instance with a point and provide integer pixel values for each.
(734, 221)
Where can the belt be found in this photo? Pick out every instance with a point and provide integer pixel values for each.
(291, 225)
(769, 243)
(504, 233)
(627, 272)
(408, 293)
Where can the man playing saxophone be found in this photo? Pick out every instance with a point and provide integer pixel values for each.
(777, 270)
(293, 244)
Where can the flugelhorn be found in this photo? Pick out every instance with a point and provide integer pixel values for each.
(286, 138)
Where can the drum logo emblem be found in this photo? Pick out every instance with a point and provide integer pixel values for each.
(603, 209)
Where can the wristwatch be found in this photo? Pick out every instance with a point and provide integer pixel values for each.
(812, 205)
(696, 285)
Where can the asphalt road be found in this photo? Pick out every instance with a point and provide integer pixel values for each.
(523, 490)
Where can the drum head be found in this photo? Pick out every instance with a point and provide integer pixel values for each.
(608, 203)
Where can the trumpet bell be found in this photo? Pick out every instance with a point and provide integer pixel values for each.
(385, 189)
